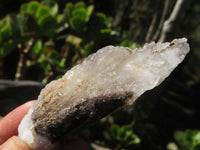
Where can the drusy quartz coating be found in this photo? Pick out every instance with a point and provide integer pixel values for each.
(104, 82)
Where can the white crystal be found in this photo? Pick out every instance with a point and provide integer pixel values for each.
(110, 70)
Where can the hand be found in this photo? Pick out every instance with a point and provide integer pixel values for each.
(9, 131)
(9, 127)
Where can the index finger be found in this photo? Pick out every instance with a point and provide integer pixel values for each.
(9, 124)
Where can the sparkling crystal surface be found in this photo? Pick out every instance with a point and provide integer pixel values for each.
(112, 74)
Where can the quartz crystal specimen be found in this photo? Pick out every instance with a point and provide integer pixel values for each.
(104, 82)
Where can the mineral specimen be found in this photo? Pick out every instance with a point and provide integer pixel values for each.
(104, 82)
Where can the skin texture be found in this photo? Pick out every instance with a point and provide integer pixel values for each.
(9, 126)
(9, 131)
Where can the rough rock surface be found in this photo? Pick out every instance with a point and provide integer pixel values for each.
(102, 83)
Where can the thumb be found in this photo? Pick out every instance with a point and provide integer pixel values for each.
(14, 143)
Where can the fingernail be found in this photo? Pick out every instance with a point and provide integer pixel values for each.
(15, 143)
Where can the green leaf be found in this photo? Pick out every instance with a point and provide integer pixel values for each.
(3, 34)
(123, 135)
(105, 31)
(121, 131)
(20, 19)
(32, 7)
(60, 18)
(87, 49)
(43, 11)
(24, 8)
(46, 78)
(68, 10)
(77, 23)
(129, 44)
(26, 25)
(44, 63)
(89, 12)
(7, 48)
(58, 77)
(80, 12)
(135, 140)
(103, 120)
(37, 48)
(30, 24)
(189, 139)
(179, 136)
(3, 22)
(54, 59)
(14, 24)
(54, 55)
(101, 20)
(62, 62)
(48, 25)
(196, 140)
(114, 129)
(133, 46)
(80, 5)
(6, 30)
(102, 17)
(128, 134)
(52, 5)
(131, 15)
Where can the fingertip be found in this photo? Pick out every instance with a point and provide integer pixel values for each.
(9, 124)
(29, 104)
(15, 143)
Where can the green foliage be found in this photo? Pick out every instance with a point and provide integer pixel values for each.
(52, 5)
(101, 20)
(37, 48)
(42, 22)
(43, 16)
(7, 47)
(121, 137)
(6, 30)
(78, 15)
(9, 31)
(188, 140)
(34, 20)
(129, 44)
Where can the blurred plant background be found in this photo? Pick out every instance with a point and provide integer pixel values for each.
(41, 40)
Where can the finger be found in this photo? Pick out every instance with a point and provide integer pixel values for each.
(9, 124)
(14, 143)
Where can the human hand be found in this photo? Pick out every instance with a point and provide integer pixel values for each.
(9, 127)
(9, 131)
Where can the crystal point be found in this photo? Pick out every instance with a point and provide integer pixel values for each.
(104, 82)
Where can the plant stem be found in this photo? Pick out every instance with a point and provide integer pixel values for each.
(168, 24)
(120, 12)
(164, 13)
(151, 28)
(21, 67)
